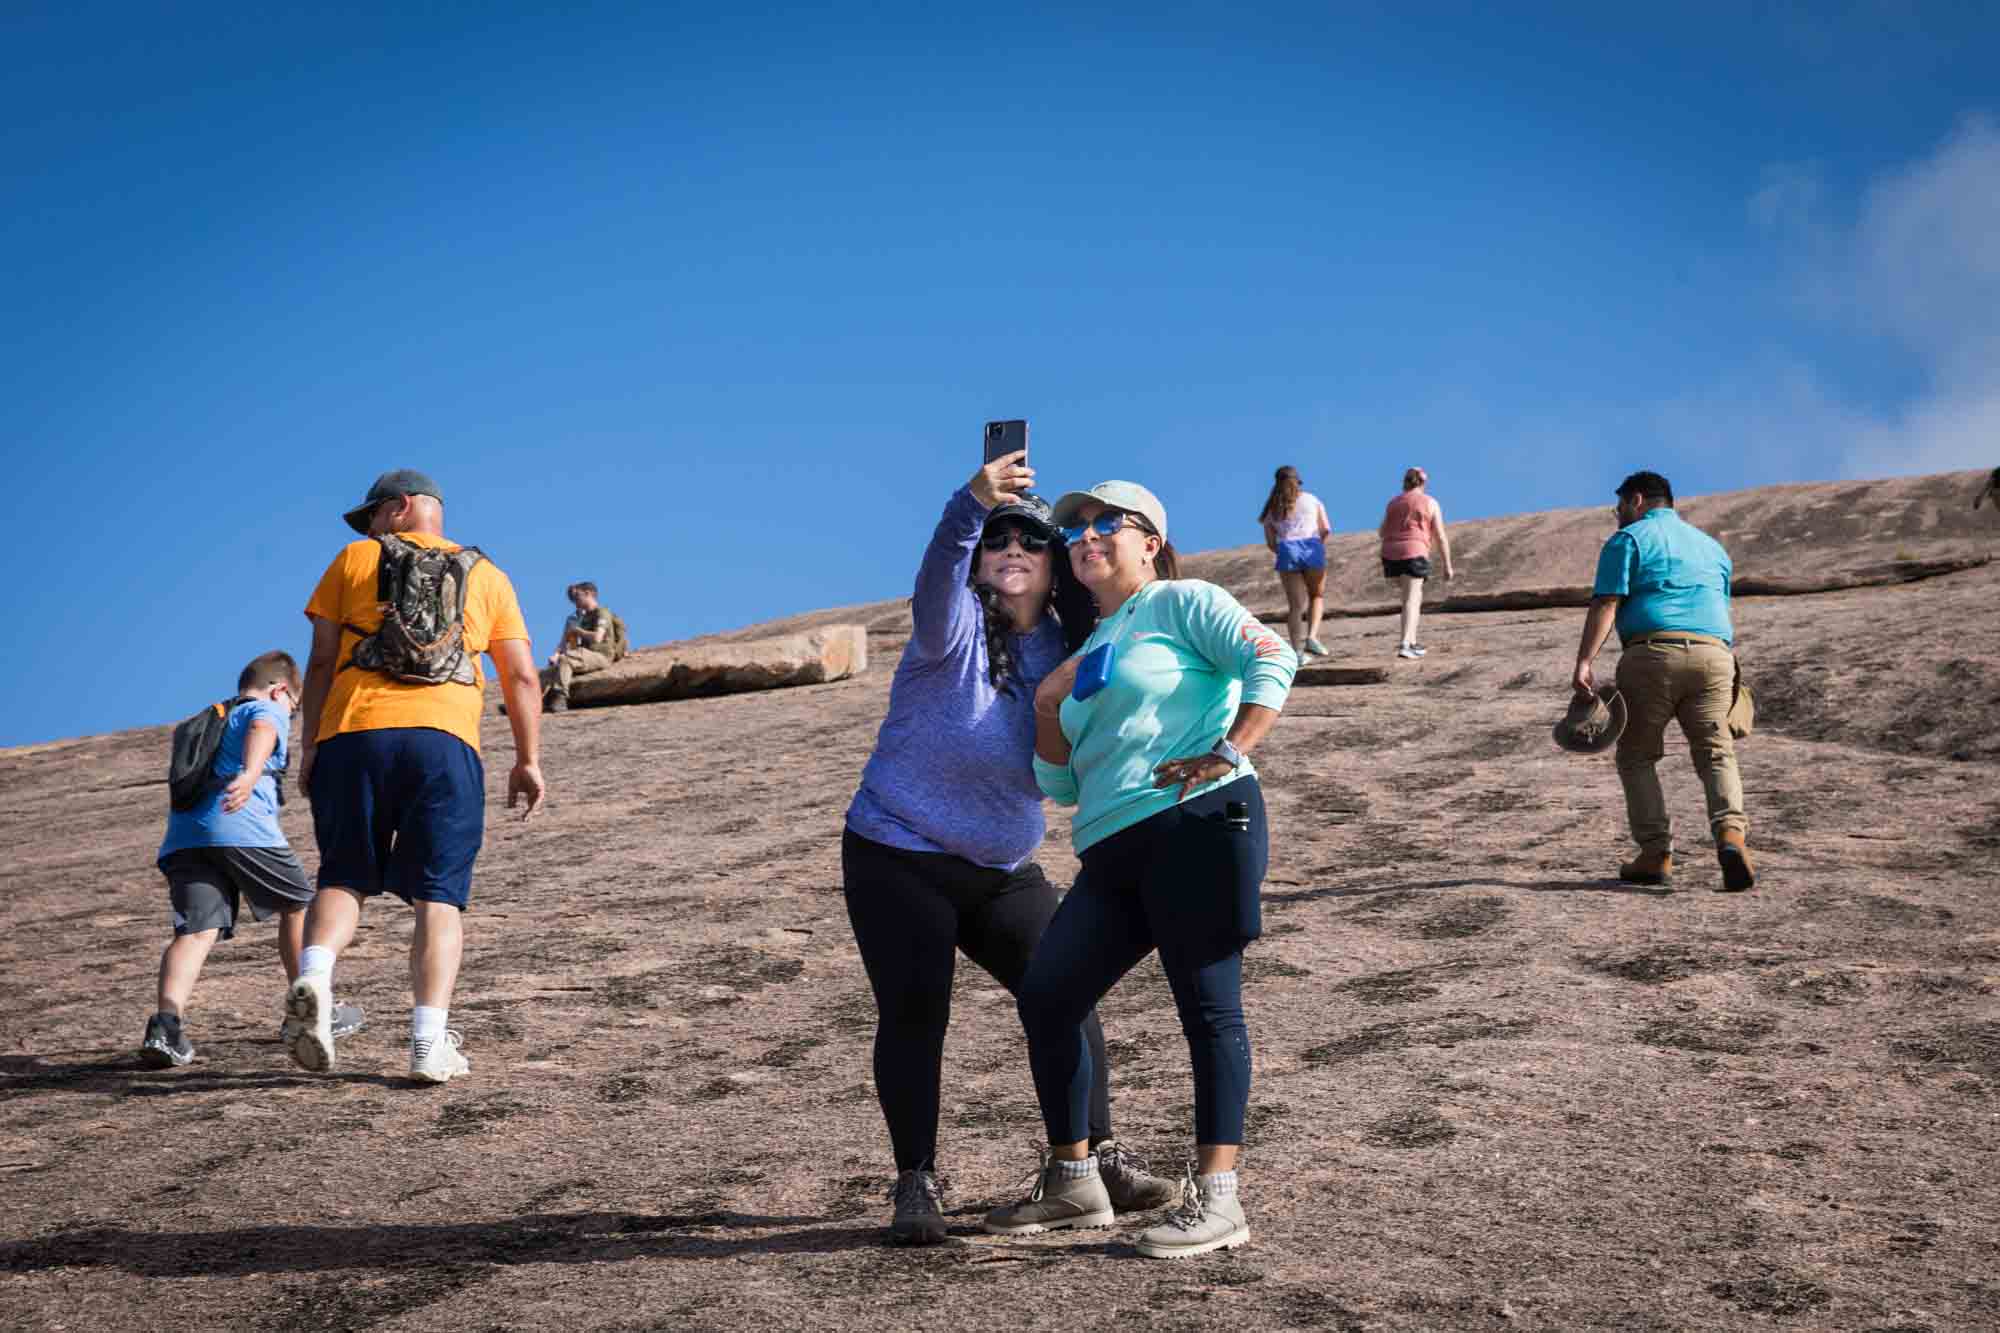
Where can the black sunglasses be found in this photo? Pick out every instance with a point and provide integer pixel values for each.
(996, 538)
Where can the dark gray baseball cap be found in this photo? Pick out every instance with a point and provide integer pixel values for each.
(391, 486)
(1027, 508)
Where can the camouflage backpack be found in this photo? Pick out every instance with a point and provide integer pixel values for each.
(420, 591)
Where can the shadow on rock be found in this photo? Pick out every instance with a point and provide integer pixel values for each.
(538, 1238)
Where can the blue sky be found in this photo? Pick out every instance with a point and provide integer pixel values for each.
(709, 306)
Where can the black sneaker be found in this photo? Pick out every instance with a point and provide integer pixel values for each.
(555, 702)
(919, 1210)
(165, 1045)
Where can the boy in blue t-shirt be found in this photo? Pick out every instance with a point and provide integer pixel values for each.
(228, 848)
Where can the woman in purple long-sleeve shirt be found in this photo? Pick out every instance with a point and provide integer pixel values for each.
(935, 857)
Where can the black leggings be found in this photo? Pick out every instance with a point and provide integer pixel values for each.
(911, 912)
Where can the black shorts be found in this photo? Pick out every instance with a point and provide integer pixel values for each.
(206, 885)
(1417, 567)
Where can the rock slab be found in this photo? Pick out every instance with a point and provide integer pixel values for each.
(831, 652)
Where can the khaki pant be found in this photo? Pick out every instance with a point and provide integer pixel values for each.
(570, 663)
(1690, 681)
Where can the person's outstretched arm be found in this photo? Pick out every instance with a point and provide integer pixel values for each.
(943, 611)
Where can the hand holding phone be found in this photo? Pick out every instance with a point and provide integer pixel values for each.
(1006, 473)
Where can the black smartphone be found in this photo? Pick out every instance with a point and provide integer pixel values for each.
(1006, 437)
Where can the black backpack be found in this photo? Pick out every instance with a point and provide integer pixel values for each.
(191, 765)
(420, 591)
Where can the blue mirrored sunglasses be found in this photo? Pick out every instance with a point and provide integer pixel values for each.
(1104, 525)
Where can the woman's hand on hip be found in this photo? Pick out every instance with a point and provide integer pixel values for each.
(1191, 772)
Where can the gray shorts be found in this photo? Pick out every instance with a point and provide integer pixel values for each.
(206, 885)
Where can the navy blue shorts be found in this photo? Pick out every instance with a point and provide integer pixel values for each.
(401, 810)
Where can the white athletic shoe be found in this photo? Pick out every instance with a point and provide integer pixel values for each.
(439, 1061)
(1410, 651)
(309, 1011)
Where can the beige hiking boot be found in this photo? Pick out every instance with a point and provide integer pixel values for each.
(1056, 1201)
(1205, 1220)
(1132, 1188)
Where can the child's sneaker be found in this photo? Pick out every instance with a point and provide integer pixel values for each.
(1409, 651)
(439, 1060)
(1204, 1221)
(165, 1044)
(309, 1007)
(1057, 1200)
(1316, 648)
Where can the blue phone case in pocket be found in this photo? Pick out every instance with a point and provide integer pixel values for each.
(1093, 673)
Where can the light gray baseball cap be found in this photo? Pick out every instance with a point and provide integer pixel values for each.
(1126, 495)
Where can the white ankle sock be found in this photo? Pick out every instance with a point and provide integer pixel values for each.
(1066, 1170)
(427, 1023)
(1221, 1185)
(316, 960)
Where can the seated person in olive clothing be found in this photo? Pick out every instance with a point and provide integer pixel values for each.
(592, 639)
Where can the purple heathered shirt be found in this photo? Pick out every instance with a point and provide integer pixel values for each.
(953, 769)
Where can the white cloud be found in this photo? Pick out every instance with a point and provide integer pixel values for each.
(1918, 267)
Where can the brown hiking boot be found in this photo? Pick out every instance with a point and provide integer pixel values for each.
(555, 702)
(1648, 868)
(1737, 872)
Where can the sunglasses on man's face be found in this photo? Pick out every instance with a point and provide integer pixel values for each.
(1105, 524)
(996, 539)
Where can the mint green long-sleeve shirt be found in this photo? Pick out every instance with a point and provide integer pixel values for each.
(1187, 655)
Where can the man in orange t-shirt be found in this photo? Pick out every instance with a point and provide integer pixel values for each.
(393, 771)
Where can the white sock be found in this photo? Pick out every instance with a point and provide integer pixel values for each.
(426, 1024)
(1220, 1185)
(316, 960)
(1066, 1170)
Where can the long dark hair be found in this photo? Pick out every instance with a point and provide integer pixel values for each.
(1003, 668)
(1284, 494)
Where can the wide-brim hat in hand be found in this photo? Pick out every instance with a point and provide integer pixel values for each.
(1593, 723)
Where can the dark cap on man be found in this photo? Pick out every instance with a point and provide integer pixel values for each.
(394, 485)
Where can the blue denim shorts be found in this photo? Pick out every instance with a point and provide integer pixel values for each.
(1300, 554)
(401, 810)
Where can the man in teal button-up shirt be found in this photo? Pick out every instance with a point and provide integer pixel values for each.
(1665, 584)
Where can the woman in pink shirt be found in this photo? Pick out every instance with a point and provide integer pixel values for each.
(1295, 529)
(1413, 523)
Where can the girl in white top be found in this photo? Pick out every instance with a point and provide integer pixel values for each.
(1295, 528)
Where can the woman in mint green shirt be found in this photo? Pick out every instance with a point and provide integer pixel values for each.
(1146, 730)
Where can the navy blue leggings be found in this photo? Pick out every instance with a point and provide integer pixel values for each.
(913, 913)
(1187, 882)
